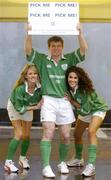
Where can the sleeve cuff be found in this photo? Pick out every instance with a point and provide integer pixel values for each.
(23, 110)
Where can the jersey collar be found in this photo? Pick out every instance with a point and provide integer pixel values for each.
(74, 92)
(49, 57)
(26, 89)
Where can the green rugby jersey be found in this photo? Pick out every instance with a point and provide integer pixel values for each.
(89, 103)
(21, 99)
(53, 75)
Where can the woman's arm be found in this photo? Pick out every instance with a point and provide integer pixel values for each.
(72, 101)
(38, 106)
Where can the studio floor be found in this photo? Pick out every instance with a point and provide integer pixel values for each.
(103, 164)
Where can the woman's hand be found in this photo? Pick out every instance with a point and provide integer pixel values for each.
(72, 100)
(38, 106)
(68, 96)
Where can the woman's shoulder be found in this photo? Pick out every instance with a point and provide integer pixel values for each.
(20, 88)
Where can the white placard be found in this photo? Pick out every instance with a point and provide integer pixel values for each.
(53, 18)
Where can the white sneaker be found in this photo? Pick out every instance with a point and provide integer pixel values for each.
(47, 172)
(62, 168)
(23, 162)
(10, 167)
(89, 170)
(75, 163)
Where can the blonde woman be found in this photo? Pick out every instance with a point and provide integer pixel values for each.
(24, 98)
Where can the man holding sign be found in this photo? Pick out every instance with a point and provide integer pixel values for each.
(56, 109)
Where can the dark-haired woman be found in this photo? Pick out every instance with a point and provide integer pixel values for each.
(91, 110)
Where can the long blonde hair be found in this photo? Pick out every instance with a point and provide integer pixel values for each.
(23, 74)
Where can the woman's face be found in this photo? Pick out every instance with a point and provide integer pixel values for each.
(72, 80)
(31, 75)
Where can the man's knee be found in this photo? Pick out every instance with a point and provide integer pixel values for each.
(48, 134)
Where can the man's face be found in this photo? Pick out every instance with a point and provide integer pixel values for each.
(55, 49)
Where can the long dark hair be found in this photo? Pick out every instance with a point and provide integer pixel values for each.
(84, 83)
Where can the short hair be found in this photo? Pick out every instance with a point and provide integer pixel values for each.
(55, 39)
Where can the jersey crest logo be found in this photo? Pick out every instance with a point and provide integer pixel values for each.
(64, 66)
(49, 66)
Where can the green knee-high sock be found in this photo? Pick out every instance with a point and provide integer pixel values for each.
(63, 151)
(45, 147)
(92, 149)
(78, 149)
(12, 148)
(24, 146)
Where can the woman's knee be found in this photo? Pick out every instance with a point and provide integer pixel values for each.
(77, 136)
(18, 135)
(91, 132)
(25, 137)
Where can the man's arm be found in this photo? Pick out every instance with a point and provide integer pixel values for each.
(28, 42)
(82, 42)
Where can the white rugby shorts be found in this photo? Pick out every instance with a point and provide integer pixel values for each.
(88, 118)
(14, 115)
(57, 110)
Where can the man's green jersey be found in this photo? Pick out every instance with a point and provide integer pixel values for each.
(20, 98)
(89, 103)
(53, 74)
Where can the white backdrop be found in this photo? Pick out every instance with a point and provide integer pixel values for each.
(97, 63)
